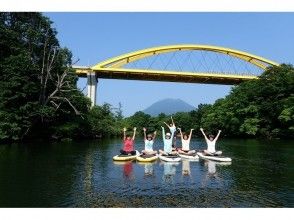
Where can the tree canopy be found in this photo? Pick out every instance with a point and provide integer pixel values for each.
(37, 89)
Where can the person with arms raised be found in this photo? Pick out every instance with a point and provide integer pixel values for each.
(186, 143)
(211, 141)
(149, 141)
(172, 129)
(128, 143)
(167, 143)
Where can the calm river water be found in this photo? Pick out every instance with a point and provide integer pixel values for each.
(82, 174)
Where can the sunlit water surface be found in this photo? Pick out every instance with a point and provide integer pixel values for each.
(83, 174)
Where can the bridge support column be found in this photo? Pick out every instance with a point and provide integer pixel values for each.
(92, 87)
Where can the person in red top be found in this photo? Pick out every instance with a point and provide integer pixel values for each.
(128, 148)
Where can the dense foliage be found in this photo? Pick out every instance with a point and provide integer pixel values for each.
(39, 97)
(258, 108)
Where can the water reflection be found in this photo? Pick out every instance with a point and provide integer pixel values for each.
(186, 168)
(169, 171)
(127, 169)
(148, 169)
(88, 172)
(212, 176)
(211, 167)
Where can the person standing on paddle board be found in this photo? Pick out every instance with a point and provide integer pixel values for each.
(128, 148)
(211, 143)
(167, 142)
(149, 141)
(172, 129)
(186, 143)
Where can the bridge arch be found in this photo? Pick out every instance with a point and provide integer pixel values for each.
(119, 61)
(114, 68)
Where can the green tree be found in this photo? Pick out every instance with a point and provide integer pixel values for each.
(37, 87)
(118, 112)
(139, 120)
(102, 121)
(259, 108)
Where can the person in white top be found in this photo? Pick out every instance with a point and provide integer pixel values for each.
(186, 143)
(149, 141)
(211, 143)
(173, 129)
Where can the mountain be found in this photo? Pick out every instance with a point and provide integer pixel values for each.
(168, 106)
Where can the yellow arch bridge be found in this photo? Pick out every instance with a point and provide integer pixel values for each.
(178, 63)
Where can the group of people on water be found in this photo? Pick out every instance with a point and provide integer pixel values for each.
(169, 142)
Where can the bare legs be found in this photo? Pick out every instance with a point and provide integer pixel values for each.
(162, 152)
(187, 152)
(149, 152)
(217, 153)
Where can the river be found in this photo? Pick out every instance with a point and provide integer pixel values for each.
(83, 174)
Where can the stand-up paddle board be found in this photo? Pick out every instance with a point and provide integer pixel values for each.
(189, 156)
(215, 158)
(122, 157)
(147, 158)
(173, 158)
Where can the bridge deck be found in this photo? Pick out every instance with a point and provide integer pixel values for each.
(169, 76)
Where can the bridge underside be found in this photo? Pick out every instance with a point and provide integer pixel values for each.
(206, 78)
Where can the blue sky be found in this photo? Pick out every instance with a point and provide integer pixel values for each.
(94, 37)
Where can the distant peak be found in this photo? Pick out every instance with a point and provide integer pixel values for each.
(168, 106)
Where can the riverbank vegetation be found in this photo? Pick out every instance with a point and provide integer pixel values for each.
(39, 98)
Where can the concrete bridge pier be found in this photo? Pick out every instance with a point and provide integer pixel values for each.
(92, 87)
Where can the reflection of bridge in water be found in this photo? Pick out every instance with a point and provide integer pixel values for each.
(178, 63)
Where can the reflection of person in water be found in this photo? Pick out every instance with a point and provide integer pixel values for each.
(212, 173)
(128, 169)
(186, 168)
(211, 167)
(169, 170)
(148, 168)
